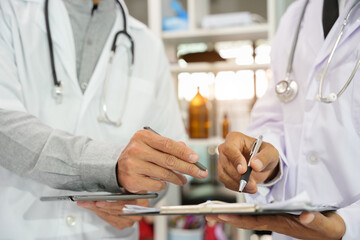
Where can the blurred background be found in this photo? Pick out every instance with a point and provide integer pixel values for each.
(219, 51)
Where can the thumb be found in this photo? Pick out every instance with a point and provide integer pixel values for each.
(315, 221)
(329, 225)
(307, 219)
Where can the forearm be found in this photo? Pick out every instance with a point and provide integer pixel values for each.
(32, 149)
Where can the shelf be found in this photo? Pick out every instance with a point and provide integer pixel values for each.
(251, 32)
(216, 67)
(213, 141)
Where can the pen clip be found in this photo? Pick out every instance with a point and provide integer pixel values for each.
(253, 148)
(256, 146)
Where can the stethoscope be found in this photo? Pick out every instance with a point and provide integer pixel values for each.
(58, 91)
(286, 90)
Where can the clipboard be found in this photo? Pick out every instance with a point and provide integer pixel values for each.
(100, 197)
(296, 205)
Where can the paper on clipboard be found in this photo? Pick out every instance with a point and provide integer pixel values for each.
(295, 205)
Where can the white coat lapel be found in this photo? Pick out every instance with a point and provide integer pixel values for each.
(62, 38)
(352, 26)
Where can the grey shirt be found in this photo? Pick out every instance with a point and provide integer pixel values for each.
(91, 27)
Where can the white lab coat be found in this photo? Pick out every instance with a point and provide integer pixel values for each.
(26, 84)
(319, 143)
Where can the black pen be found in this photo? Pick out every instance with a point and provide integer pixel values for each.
(254, 150)
(199, 165)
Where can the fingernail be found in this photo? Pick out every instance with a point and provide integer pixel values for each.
(309, 218)
(258, 165)
(238, 168)
(193, 158)
(203, 173)
(224, 217)
(100, 204)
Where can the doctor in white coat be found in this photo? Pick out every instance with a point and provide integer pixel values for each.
(52, 154)
(318, 142)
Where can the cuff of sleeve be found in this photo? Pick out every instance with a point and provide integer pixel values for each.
(98, 167)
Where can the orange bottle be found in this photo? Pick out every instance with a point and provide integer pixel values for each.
(199, 123)
(225, 126)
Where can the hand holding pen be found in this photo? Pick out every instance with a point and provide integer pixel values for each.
(254, 150)
(234, 161)
(199, 165)
(150, 160)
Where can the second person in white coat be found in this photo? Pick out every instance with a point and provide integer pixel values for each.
(44, 130)
(317, 142)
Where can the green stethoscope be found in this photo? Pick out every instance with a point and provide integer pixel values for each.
(286, 90)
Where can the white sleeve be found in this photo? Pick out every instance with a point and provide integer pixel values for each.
(267, 117)
(351, 217)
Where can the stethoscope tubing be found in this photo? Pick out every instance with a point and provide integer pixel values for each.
(292, 86)
(293, 47)
(57, 82)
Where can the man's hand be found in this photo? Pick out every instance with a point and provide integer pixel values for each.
(306, 226)
(233, 159)
(108, 211)
(150, 160)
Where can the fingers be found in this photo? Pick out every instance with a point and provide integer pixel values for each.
(229, 181)
(169, 146)
(233, 149)
(232, 162)
(168, 161)
(251, 186)
(227, 168)
(266, 159)
(261, 223)
(117, 222)
(108, 211)
(140, 183)
(330, 224)
(149, 157)
(155, 171)
(306, 226)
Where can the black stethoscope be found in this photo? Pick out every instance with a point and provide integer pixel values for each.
(58, 91)
(286, 90)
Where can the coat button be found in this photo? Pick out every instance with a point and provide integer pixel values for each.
(84, 85)
(313, 158)
(71, 220)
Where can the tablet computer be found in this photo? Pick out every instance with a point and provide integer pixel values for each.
(100, 197)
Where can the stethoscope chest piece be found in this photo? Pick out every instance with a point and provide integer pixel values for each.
(286, 91)
(58, 93)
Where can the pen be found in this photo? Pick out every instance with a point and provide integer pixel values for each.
(199, 165)
(254, 150)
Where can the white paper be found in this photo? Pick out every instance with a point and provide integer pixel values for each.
(295, 205)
